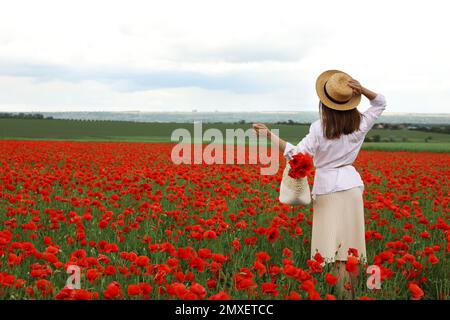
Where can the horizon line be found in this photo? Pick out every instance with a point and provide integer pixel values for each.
(216, 111)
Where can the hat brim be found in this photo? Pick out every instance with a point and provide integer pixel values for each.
(320, 83)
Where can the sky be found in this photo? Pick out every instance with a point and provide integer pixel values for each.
(213, 55)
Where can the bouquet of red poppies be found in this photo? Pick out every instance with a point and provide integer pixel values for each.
(301, 165)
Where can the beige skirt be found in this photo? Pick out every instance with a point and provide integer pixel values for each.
(338, 224)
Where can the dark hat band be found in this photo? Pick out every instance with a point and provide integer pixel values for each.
(331, 98)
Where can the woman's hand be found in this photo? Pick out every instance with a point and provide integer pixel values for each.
(261, 129)
(359, 89)
(356, 87)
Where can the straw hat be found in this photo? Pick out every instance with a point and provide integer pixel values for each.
(334, 92)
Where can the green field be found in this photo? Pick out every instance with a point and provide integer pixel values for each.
(393, 140)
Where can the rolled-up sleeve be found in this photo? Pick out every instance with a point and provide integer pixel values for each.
(289, 151)
(377, 106)
(308, 144)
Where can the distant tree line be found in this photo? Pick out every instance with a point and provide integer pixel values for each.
(21, 115)
(292, 122)
(288, 122)
(378, 138)
(445, 128)
(439, 128)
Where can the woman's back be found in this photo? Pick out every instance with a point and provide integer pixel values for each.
(333, 158)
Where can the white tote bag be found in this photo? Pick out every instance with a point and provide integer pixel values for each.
(294, 191)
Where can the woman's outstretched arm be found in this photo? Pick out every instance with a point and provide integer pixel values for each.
(262, 129)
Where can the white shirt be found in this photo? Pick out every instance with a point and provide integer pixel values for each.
(333, 159)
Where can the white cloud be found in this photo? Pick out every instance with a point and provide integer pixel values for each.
(96, 96)
(257, 55)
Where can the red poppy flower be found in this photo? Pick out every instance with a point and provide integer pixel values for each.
(269, 288)
(262, 256)
(433, 259)
(142, 261)
(273, 234)
(198, 290)
(318, 257)
(365, 298)
(287, 252)
(146, 288)
(301, 165)
(75, 294)
(220, 296)
(92, 275)
(209, 234)
(204, 253)
(352, 264)
(134, 290)
(416, 292)
(260, 268)
(330, 279)
(110, 270)
(293, 295)
(113, 291)
(353, 252)
(211, 283)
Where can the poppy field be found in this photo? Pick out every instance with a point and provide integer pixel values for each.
(140, 227)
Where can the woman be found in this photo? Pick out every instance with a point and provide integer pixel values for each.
(334, 141)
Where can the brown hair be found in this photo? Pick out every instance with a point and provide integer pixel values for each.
(335, 122)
